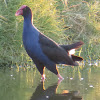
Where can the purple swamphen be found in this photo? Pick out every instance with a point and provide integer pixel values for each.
(44, 51)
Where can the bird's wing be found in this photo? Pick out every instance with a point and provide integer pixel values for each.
(53, 51)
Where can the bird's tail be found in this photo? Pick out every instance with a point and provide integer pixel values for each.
(72, 46)
(70, 49)
(76, 58)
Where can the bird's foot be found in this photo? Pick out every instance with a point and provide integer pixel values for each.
(60, 77)
(59, 81)
(43, 77)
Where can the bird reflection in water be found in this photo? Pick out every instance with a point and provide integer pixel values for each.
(50, 93)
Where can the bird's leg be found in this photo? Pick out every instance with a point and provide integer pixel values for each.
(43, 77)
(60, 77)
(41, 69)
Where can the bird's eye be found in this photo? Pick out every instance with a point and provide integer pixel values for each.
(24, 8)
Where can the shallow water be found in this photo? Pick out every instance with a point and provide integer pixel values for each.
(80, 83)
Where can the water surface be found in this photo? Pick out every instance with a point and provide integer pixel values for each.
(80, 83)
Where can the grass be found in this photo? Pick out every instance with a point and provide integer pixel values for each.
(64, 22)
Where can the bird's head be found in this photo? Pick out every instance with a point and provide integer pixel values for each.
(23, 10)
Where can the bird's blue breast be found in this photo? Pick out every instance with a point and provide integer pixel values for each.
(32, 45)
(30, 40)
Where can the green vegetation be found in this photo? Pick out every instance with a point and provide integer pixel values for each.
(64, 22)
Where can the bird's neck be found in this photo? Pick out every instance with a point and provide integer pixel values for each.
(28, 27)
(28, 20)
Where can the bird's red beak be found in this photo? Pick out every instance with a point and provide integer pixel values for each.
(19, 12)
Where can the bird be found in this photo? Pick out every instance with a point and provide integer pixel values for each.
(44, 51)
